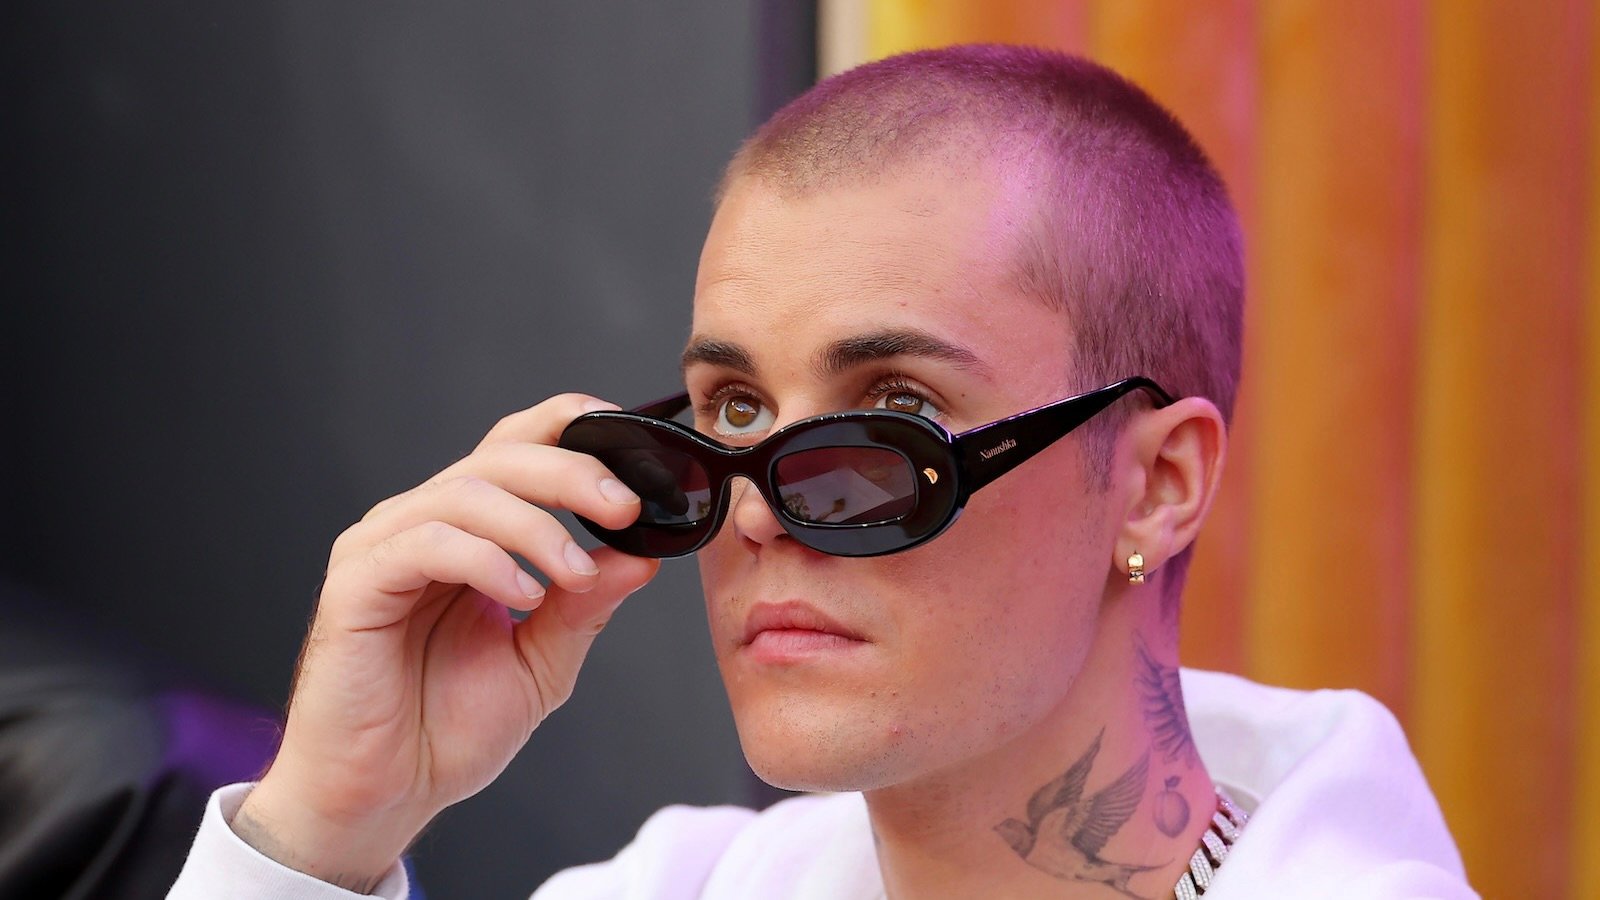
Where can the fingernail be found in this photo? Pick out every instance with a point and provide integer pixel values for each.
(578, 561)
(593, 405)
(531, 588)
(617, 492)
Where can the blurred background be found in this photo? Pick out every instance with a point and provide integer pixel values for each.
(267, 264)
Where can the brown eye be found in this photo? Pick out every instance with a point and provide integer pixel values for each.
(741, 413)
(903, 402)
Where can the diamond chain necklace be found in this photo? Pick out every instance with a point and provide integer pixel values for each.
(1219, 837)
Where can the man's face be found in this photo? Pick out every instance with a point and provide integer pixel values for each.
(940, 654)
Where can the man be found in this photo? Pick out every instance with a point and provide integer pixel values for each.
(956, 236)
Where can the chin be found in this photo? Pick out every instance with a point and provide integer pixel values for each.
(811, 752)
(822, 772)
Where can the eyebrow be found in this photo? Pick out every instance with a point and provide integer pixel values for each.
(846, 353)
(843, 355)
(725, 354)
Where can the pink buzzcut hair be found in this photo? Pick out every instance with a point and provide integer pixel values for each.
(1132, 234)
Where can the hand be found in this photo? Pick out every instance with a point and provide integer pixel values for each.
(415, 686)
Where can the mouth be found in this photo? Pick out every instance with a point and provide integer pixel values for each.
(788, 631)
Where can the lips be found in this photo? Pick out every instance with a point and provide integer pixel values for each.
(793, 618)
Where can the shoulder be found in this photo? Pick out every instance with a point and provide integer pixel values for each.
(671, 857)
(1262, 731)
(806, 844)
(1337, 798)
(1263, 739)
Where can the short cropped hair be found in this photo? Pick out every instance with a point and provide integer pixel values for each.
(1132, 234)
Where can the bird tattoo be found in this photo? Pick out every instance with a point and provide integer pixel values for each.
(1066, 831)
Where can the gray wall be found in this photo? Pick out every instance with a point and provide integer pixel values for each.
(268, 263)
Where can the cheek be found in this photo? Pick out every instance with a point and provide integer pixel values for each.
(1026, 535)
(714, 562)
(982, 632)
(1004, 604)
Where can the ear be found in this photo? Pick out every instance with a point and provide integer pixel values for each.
(1168, 465)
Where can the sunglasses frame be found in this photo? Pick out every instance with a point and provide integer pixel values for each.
(948, 468)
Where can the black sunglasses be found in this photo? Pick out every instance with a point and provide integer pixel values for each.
(863, 482)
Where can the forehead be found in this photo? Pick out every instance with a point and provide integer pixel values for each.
(782, 275)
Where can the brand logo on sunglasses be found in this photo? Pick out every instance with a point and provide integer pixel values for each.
(992, 452)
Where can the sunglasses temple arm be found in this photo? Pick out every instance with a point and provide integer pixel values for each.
(665, 408)
(991, 451)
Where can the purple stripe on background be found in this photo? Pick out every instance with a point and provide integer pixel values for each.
(216, 741)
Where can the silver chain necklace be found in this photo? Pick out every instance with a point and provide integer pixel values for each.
(1218, 839)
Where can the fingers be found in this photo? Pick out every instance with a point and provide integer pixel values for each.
(553, 477)
(556, 638)
(543, 423)
(484, 508)
(519, 453)
(381, 588)
(416, 691)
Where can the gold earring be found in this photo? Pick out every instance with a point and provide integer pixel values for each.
(1136, 568)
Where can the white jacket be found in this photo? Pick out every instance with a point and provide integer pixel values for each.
(1339, 810)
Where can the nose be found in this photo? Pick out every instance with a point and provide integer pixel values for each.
(753, 519)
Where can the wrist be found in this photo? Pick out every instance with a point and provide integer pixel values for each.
(354, 853)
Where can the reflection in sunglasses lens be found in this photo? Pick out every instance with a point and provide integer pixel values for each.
(846, 485)
(671, 485)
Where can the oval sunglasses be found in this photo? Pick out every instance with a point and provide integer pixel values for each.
(862, 482)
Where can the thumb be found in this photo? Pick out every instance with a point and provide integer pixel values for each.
(555, 639)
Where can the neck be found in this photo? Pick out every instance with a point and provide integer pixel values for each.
(1103, 796)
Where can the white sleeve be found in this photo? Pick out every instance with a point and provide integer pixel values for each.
(220, 865)
(670, 858)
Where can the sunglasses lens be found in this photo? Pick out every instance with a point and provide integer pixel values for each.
(846, 485)
(846, 488)
(673, 487)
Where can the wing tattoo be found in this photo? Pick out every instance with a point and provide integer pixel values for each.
(1111, 808)
(1065, 790)
(1161, 693)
